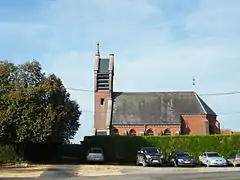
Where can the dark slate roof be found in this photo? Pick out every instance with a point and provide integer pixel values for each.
(207, 109)
(155, 107)
(103, 65)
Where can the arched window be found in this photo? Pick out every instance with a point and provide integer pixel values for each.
(149, 132)
(167, 132)
(132, 132)
(177, 132)
(115, 131)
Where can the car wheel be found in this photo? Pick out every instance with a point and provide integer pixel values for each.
(208, 164)
(175, 164)
(137, 162)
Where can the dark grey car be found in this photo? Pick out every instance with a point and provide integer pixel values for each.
(149, 156)
(180, 158)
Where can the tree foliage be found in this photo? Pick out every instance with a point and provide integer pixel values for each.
(35, 107)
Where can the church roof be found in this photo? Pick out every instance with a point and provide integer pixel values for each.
(156, 108)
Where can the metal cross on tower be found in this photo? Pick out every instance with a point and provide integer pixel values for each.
(193, 81)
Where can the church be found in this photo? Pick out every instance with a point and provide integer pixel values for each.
(146, 113)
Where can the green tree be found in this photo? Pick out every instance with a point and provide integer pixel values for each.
(35, 107)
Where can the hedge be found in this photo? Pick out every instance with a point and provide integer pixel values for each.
(53, 153)
(125, 147)
(8, 154)
(42, 153)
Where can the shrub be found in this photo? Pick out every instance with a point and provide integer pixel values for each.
(127, 146)
(8, 154)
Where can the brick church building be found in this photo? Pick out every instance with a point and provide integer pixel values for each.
(146, 113)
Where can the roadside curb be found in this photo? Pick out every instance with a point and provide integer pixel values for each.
(24, 165)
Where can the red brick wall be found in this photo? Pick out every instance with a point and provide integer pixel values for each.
(226, 131)
(100, 113)
(193, 124)
(214, 124)
(157, 130)
(199, 124)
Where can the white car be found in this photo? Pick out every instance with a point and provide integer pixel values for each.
(212, 159)
(95, 155)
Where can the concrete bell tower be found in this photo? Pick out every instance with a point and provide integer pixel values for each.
(103, 88)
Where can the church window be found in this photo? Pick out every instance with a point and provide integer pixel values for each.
(102, 101)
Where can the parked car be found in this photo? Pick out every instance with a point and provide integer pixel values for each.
(181, 158)
(149, 156)
(212, 159)
(95, 155)
(234, 158)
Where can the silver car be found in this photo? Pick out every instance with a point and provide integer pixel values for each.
(95, 155)
(234, 158)
(212, 159)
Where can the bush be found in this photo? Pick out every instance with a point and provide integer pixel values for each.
(8, 154)
(42, 152)
(126, 146)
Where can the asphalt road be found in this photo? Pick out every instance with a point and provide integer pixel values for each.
(183, 176)
(139, 173)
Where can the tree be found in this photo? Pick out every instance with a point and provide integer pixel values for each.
(35, 107)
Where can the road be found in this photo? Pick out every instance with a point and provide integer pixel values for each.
(183, 176)
(72, 172)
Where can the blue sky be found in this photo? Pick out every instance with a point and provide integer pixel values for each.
(158, 45)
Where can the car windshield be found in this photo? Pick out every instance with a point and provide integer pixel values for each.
(183, 154)
(95, 151)
(151, 150)
(213, 154)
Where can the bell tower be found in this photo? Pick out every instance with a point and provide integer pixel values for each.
(103, 88)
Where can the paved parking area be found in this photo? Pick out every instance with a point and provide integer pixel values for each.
(175, 176)
(105, 172)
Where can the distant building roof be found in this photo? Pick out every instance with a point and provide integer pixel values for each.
(139, 108)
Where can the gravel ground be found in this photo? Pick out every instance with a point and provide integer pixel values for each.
(32, 171)
(103, 170)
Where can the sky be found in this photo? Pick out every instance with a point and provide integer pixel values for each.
(159, 45)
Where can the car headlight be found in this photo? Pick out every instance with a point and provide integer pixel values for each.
(148, 156)
(180, 160)
(161, 156)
